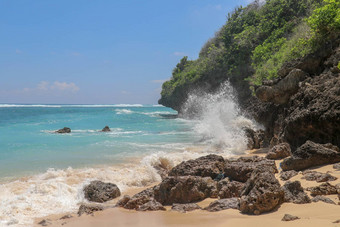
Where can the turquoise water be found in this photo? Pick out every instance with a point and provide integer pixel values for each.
(28, 144)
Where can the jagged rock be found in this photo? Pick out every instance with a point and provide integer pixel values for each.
(279, 151)
(98, 191)
(289, 217)
(185, 189)
(281, 92)
(45, 222)
(242, 168)
(294, 193)
(286, 175)
(137, 200)
(229, 189)
(255, 138)
(323, 189)
(183, 208)
(64, 130)
(223, 204)
(206, 166)
(317, 176)
(310, 154)
(323, 199)
(67, 216)
(106, 129)
(336, 166)
(262, 193)
(152, 205)
(163, 167)
(89, 208)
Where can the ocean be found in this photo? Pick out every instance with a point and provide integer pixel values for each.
(43, 173)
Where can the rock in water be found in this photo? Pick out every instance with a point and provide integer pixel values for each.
(311, 154)
(289, 217)
(183, 208)
(223, 204)
(262, 193)
(294, 193)
(206, 166)
(317, 176)
(106, 129)
(185, 189)
(279, 151)
(100, 192)
(89, 208)
(242, 168)
(64, 130)
(288, 174)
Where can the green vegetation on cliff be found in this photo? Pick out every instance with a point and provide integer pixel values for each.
(254, 43)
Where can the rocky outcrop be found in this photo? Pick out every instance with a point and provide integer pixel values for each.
(311, 154)
(152, 205)
(106, 129)
(256, 139)
(183, 208)
(100, 192)
(289, 217)
(242, 168)
(223, 204)
(137, 200)
(279, 151)
(294, 193)
(229, 189)
(286, 175)
(262, 193)
(281, 92)
(323, 189)
(184, 189)
(64, 130)
(206, 166)
(89, 208)
(317, 176)
(322, 199)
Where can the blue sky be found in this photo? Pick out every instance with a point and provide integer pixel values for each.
(99, 52)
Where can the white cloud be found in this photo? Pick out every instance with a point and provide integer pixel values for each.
(177, 53)
(125, 92)
(76, 54)
(17, 51)
(64, 86)
(45, 86)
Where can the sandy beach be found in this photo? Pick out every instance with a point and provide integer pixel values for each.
(312, 214)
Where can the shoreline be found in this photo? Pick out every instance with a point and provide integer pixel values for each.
(311, 214)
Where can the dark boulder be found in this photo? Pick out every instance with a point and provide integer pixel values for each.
(64, 130)
(98, 191)
(106, 129)
(262, 193)
(242, 168)
(289, 217)
(256, 138)
(89, 208)
(137, 200)
(279, 151)
(311, 154)
(286, 175)
(185, 189)
(183, 208)
(322, 199)
(45, 222)
(229, 189)
(336, 166)
(294, 193)
(223, 204)
(317, 176)
(152, 205)
(206, 166)
(323, 189)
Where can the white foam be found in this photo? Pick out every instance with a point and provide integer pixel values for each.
(36, 105)
(123, 111)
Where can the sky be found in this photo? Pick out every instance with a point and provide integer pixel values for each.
(99, 52)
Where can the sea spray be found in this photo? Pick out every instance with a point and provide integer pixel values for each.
(218, 118)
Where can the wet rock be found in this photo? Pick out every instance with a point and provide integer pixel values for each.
(98, 191)
(317, 176)
(223, 204)
(123, 201)
(262, 193)
(152, 205)
(183, 208)
(89, 208)
(185, 189)
(106, 129)
(286, 175)
(229, 189)
(281, 92)
(64, 130)
(45, 222)
(289, 217)
(242, 168)
(311, 154)
(279, 151)
(137, 200)
(336, 166)
(163, 167)
(294, 193)
(206, 166)
(323, 199)
(255, 138)
(323, 189)
(67, 216)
